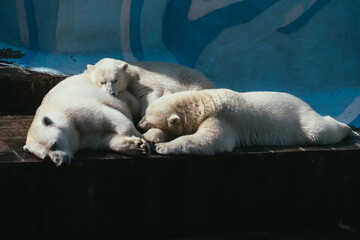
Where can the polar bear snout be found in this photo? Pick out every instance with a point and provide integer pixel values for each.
(144, 124)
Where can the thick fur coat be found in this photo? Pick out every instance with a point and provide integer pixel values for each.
(214, 121)
(76, 114)
(148, 81)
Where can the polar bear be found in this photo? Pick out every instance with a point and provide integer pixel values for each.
(148, 81)
(74, 115)
(215, 121)
(107, 76)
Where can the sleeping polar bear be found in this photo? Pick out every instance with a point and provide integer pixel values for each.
(214, 121)
(74, 115)
(107, 76)
(148, 81)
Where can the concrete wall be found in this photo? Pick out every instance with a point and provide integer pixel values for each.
(310, 48)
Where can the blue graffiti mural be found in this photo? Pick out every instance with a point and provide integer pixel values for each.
(304, 18)
(135, 40)
(186, 39)
(32, 27)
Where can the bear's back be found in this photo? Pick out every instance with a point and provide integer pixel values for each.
(77, 92)
(170, 76)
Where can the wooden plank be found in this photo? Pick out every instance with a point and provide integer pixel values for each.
(13, 130)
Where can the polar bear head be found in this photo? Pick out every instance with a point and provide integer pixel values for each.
(51, 139)
(171, 113)
(109, 75)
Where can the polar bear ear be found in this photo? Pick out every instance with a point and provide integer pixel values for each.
(173, 119)
(90, 67)
(124, 67)
(47, 121)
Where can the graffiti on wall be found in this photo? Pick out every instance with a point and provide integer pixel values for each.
(189, 26)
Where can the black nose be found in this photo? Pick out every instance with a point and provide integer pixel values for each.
(141, 124)
(113, 94)
(66, 161)
(138, 126)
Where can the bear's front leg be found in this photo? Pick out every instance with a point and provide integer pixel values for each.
(157, 135)
(129, 145)
(116, 142)
(213, 136)
(189, 144)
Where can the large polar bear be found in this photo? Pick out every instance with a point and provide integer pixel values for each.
(148, 81)
(213, 121)
(76, 114)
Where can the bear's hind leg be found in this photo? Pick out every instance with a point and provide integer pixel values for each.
(326, 130)
(333, 131)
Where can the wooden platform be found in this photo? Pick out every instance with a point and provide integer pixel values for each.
(103, 194)
(14, 128)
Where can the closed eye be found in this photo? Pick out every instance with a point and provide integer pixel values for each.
(102, 83)
(115, 81)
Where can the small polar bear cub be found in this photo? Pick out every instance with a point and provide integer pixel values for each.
(214, 121)
(108, 75)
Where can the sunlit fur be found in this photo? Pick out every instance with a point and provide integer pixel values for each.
(148, 81)
(74, 115)
(214, 121)
(108, 75)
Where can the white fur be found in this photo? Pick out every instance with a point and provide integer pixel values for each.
(109, 75)
(76, 114)
(212, 121)
(148, 81)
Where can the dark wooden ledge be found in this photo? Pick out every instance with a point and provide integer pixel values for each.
(103, 194)
(14, 128)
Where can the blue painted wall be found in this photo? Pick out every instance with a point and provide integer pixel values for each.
(310, 48)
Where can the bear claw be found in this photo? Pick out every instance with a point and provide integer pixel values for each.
(139, 144)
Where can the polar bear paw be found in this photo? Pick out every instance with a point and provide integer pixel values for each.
(165, 149)
(137, 144)
(156, 135)
(59, 158)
